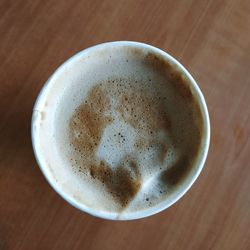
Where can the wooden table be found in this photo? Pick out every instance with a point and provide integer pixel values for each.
(211, 38)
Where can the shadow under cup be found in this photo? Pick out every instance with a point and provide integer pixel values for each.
(121, 130)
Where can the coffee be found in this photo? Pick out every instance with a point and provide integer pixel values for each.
(129, 130)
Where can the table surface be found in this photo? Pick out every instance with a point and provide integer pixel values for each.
(211, 38)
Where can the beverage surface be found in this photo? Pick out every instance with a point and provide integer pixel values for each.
(133, 138)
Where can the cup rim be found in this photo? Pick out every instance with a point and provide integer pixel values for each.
(162, 205)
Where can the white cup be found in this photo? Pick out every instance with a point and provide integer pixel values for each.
(43, 141)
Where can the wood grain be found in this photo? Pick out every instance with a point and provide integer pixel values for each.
(211, 38)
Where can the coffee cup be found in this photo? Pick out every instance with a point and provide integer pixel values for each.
(121, 130)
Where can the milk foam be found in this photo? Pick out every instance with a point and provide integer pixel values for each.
(150, 130)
